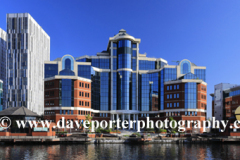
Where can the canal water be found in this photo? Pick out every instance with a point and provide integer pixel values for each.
(121, 151)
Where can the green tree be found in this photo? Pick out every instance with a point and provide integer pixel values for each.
(88, 120)
(174, 128)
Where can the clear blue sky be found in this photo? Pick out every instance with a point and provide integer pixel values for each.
(207, 32)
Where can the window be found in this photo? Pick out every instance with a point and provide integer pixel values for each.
(80, 94)
(177, 95)
(167, 105)
(174, 95)
(167, 96)
(177, 86)
(170, 96)
(170, 87)
(167, 87)
(170, 105)
(174, 104)
(174, 87)
(60, 111)
(177, 104)
(80, 84)
(88, 85)
(134, 45)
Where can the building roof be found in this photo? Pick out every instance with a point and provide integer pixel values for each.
(18, 111)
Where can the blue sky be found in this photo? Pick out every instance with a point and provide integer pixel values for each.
(207, 32)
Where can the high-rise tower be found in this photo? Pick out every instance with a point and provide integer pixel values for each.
(28, 46)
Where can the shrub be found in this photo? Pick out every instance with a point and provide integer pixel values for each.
(137, 134)
(162, 130)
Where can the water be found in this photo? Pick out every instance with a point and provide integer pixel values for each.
(121, 151)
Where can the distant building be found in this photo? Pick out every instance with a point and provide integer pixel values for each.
(225, 101)
(218, 100)
(3, 38)
(28, 46)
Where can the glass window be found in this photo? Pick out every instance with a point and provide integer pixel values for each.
(134, 53)
(170, 105)
(174, 104)
(51, 70)
(174, 95)
(84, 71)
(114, 52)
(167, 87)
(168, 96)
(114, 44)
(177, 95)
(174, 87)
(67, 63)
(177, 86)
(134, 45)
(167, 105)
(170, 87)
(177, 104)
(124, 43)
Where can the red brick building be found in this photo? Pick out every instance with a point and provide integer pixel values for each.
(66, 94)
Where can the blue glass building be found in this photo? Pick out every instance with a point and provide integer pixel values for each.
(127, 84)
(1, 95)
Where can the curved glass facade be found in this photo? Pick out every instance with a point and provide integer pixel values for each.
(124, 78)
(124, 61)
(185, 67)
(69, 61)
(124, 53)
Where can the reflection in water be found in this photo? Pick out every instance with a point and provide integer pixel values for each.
(120, 151)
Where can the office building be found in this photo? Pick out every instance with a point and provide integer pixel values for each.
(1, 95)
(128, 85)
(3, 37)
(67, 89)
(218, 99)
(225, 101)
(28, 46)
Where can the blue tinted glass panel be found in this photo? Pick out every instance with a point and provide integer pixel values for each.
(84, 71)
(124, 61)
(190, 95)
(51, 70)
(146, 65)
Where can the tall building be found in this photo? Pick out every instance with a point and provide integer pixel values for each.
(67, 89)
(1, 95)
(28, 46)
(3, 37)
(129, 85)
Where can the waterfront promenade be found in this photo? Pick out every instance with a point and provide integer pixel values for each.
(84, 138)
